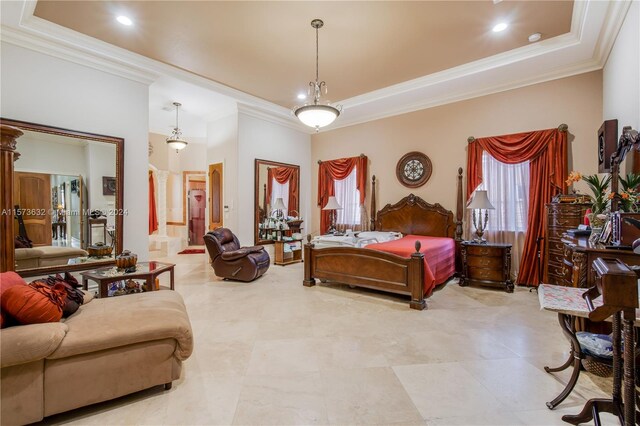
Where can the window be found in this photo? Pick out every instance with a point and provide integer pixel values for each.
(348, 196)
(280, 190)
(507, 186)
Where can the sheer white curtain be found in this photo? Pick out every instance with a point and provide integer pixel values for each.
(280, 190)
(348, 196)
(507, 187)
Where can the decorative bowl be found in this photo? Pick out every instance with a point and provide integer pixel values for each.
(99, 250)
(126, 259)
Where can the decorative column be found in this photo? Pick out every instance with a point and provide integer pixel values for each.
(162, 176)
(8, 136)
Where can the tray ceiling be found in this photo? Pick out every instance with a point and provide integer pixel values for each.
(267, 49)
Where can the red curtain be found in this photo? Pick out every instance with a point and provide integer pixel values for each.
(330, 171)
(153, 217)
(283, 175)
(546, 151)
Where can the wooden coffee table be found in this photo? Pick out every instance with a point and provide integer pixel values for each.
(147, 271)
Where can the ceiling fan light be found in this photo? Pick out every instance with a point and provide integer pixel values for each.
(317, 116)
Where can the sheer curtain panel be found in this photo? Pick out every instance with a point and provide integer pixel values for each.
(507, 187)
(348, 196)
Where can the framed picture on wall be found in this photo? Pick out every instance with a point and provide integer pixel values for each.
(108, 185)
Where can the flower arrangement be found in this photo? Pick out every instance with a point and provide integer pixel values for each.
(598, 186)
(629, 196)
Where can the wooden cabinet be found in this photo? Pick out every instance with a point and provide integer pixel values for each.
(487, 264)
(287, 252)
(559, 217)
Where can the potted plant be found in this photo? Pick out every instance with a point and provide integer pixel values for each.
(599, 199)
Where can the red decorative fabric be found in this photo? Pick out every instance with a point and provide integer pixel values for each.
(283, 175)
(153, 216)
(330, 171)
(546, 151)
(439, 256)
(29, 305)
(8, 280)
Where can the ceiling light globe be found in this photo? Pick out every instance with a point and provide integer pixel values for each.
(535, 37)
(124, 20)
(317, 116)
(500, 27)
(176, 144)
(302, 96)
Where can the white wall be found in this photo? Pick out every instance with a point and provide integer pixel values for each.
(269, 141)
(222, 147)
(621, 74)
(42, 89)
(49, 157)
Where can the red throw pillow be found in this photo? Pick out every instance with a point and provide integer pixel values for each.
(8, 280)
(33, 306)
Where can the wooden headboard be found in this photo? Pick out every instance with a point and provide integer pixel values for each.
(413, 215)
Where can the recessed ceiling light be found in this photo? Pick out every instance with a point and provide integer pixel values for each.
(535, 37)
(500, 27)
(124, 20)
(302, 96)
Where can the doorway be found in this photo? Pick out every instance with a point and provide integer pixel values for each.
(196, 207)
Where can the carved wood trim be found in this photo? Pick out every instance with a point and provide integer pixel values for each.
(8, 136)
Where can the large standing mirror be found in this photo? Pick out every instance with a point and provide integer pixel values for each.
(277, 201)
(67, 194)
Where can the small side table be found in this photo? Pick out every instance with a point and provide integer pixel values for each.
(284, 258)
(147, 271)
(486, 264)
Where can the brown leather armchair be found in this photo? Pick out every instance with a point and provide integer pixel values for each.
(231, 261)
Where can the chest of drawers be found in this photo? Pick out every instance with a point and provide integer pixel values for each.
(486, 264)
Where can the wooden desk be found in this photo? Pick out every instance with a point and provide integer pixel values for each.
(579, 254)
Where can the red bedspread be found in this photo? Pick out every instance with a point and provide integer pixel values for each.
(439, 256)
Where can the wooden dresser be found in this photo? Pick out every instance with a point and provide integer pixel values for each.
(487, 264)
(559, 217)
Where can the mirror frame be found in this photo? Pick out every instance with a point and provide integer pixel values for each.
(257, 193)
(119, 197)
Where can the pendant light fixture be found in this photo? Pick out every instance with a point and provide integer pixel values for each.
(175, 141)
(316, 114)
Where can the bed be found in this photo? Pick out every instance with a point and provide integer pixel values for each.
(428, 255)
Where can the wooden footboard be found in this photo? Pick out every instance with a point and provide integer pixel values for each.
(367, 268)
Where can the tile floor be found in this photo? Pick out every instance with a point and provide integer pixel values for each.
(275, 352)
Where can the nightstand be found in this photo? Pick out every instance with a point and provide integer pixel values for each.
(486, 264)
(287, 252)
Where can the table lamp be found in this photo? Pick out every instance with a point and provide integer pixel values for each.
(479, 202)
(278, 207)
(332, 205)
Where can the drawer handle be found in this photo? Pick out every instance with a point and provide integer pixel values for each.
(485, 262)
(484, 274)
(483, 252)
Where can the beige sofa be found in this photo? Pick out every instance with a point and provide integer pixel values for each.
(41, 256)
(109, 348)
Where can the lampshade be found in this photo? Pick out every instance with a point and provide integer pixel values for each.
(279, 204)
(480, 200)
(332, 204)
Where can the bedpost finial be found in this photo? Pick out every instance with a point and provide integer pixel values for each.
(308, 238)
(459, 171)
(418, 246)
(373, 178)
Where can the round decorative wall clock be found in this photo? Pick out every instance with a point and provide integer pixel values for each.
(414, 169)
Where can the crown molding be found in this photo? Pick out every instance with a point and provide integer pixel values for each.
(594, 28)
(258, 113)
(613, 23)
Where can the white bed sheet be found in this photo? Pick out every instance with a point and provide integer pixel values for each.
(357, 239)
